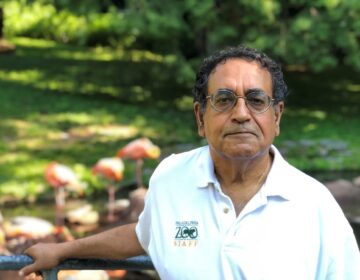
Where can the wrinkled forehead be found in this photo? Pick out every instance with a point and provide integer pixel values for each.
(239, 75)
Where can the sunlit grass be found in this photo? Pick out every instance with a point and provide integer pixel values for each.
(14, 157)
(96, 54)
(77, 105)
(301, 113)
(76, 132)
(129, 75)
(25, 77)
(353, 88)
(38, 43)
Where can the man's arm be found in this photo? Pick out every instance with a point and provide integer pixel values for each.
(118, 243)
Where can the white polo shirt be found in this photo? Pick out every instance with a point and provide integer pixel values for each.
(291, 229)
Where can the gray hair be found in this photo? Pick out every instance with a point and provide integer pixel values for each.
(279, 87)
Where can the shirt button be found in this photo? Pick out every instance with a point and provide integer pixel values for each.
(226, 210)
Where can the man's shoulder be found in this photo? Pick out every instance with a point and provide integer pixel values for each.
(178, 163)
(294, 179)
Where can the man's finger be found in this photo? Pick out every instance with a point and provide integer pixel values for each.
(34, 276)
(26, 270)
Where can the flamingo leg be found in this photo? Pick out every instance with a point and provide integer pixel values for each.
(138, 172)
(60, 205)
(111, 203)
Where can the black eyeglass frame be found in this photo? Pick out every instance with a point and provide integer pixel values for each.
(236, 97)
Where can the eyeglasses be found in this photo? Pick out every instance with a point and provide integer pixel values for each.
(257, 101)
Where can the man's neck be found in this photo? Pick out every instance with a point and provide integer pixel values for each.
(242, 179)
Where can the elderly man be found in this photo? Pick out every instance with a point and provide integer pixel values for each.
(234, 209)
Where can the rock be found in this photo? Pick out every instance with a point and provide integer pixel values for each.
(344, 191)
(137, 201)
(84, 215)
(28, 226)
(120, 205)
(356, 182)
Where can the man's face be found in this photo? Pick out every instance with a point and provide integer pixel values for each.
(239, 133)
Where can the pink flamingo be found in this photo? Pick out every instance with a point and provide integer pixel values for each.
(18, 233)
(138, 150)
(112, 170)
(60, 177)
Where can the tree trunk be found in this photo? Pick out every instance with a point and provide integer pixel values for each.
(1, 22)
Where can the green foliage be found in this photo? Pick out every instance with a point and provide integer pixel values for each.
(319, 34)
(41, 20)
(325, 33)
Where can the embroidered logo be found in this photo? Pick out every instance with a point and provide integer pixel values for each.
(186, 234)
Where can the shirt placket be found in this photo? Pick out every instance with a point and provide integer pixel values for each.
(224, 210)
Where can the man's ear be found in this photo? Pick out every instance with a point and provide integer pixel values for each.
(199, 119)
(279, 109)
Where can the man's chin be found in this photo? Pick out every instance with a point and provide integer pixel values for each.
(241, 152)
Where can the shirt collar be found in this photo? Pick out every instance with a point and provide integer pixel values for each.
(276, 183)
(205, 166)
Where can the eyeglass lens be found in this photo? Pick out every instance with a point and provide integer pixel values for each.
(257, 101)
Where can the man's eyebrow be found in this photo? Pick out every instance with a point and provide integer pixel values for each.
(222, 90)
(226, 89)
(254, 90)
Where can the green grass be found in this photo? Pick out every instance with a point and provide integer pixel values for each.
(322, 121)
(77, 105)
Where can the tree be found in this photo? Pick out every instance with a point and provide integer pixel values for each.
(5, 46)
(1, 22)
(318, 34)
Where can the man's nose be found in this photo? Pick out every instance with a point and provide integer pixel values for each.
(240, 112)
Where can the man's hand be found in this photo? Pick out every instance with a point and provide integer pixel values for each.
(117, 243)
(45, 256)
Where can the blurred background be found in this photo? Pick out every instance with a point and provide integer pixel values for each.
(80, 79)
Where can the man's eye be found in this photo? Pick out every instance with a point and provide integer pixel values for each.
(223, 99)
(256, 100)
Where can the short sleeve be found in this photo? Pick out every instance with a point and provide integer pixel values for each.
(144, 224)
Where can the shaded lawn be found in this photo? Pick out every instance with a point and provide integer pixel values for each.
(323, 118)
(77, 105)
